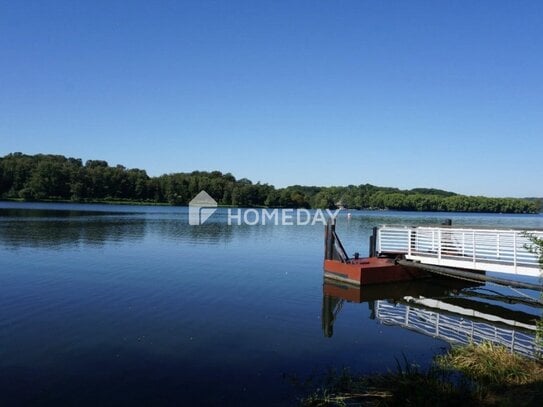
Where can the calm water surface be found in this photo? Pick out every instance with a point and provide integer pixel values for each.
(106, 305)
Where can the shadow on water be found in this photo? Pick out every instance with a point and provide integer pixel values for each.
(455, 311)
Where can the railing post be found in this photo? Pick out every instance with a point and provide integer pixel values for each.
(329, 240)
(515, 252)
(410, 234)
(439, 246)
(373, 243)
(473, 246)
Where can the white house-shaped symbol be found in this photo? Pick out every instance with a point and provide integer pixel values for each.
(201, 208)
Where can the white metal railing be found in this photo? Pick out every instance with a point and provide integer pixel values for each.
(478, 249)
(456, 329)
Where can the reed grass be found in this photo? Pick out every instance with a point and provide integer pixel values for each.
(492, 364)
(483, 374)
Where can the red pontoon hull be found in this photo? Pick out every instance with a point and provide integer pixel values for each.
(369, 270)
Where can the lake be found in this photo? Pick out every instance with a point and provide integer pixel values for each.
(107, 304)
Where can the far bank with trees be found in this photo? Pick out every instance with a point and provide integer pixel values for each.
(58, 178)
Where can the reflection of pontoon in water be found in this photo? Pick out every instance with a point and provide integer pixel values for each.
(442, 309)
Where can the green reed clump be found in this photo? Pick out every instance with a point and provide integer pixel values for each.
(407, 386)
(483, 374)
(492, 364)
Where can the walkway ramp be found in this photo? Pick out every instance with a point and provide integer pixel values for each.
(498, 250)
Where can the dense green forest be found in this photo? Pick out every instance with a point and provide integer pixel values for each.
(55, 177)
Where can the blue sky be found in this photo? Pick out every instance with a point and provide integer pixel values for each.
(393, 93)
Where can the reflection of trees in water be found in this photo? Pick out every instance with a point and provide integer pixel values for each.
(54, 213)
(45, 228)
(38, 228)
(218, 231)
(50, 228)
(179, 229)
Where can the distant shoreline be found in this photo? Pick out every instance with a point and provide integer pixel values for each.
(166, 204)
(56, 178)
(92, 202)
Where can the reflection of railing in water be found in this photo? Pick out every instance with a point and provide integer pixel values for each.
(458, 329)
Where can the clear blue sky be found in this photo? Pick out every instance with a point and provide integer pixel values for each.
(445, 94)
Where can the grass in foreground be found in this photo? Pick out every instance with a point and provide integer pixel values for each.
(482, 374)
(492, 365)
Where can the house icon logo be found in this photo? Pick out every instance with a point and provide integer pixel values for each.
(201, 208)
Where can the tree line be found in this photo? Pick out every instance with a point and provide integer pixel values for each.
(55, 177)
